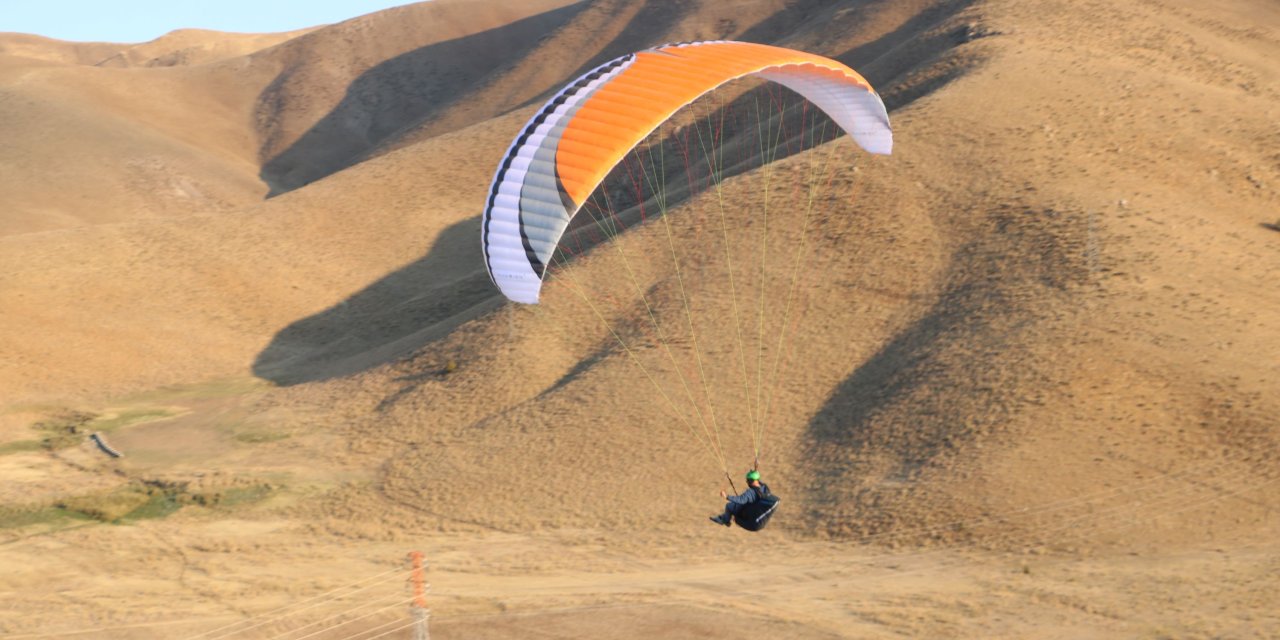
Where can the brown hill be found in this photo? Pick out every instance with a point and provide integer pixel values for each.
(1030, 393)
(36, 47)
(181, 47)
(168, 141)
(185, 47)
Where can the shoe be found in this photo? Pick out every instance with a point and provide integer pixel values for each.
(720, 519)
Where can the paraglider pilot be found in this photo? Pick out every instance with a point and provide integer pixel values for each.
(755, 491)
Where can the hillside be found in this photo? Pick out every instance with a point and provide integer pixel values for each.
(1029, 391)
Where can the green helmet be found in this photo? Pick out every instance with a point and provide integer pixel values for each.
(753, 475)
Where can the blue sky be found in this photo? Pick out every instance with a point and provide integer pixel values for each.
(142, 20)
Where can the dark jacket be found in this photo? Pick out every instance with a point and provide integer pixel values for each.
(750, 495)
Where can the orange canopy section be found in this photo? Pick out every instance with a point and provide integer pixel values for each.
(656, 85)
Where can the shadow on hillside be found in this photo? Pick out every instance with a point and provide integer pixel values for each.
(414, 87)
(655, 16)
(890, 375)
(395, 315)
(397, 93)
(894, 61)
(955, 374)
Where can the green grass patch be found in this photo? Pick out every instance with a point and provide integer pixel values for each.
(156, 499)
(260, 437)
(110, 506)
(128, 417)
(159, 505)
(231, 497)
(138, 500)
(64, 430)
(20, 446)
(239, 496)
(211, 389)
(69, 428)
(134, 501)
(48, 516)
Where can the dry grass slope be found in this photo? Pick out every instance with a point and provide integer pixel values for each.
(1033, 394)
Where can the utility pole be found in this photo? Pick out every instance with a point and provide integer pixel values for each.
(418, 608)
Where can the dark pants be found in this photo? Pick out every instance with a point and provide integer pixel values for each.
(730, 509)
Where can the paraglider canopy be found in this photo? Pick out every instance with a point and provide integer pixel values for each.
(577, 137)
